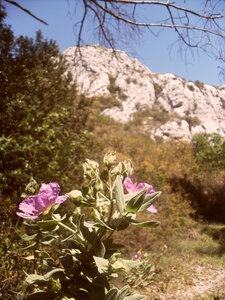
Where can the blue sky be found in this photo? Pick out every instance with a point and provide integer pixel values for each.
(154, 52)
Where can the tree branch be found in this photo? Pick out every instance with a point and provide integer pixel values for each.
(25, 10)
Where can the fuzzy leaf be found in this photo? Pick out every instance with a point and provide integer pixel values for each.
(34, 278)
(125, 291)
(135, 297)
(67, 261)
(48, 225)
(30, 246)
(48, 275)
(102, 224)
(43, 295)
(102, 264)
(149, 200)
(135, 203)
(119, 194)
(99, 249)
(147, 224)
(28, 238)
(111, 295)
(125, 264)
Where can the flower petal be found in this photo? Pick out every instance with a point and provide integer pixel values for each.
(47, 195)
(129, 185)
(28, 205)
(25, 216)
(150, 188)
(152, 209)
(140, 186)
(60, 199)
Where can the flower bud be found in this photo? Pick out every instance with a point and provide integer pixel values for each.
(91, 168)
(109, 158)
(75, 195)
(127, 167)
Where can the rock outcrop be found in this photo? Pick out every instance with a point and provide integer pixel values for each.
(171, 106)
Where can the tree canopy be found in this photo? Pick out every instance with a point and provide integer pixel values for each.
(42, 119)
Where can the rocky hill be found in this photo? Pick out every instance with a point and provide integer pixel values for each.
(164, 105)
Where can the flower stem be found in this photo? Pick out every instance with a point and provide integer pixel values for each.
(67, 227)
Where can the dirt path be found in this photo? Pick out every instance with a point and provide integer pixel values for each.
(203, 283)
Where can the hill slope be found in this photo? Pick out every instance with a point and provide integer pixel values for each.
(168, 105)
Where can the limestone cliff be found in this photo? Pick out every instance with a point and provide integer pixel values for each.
(171, 106)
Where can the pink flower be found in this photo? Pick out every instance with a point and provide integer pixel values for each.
(137, 255)
(136, 187)
(33, 206)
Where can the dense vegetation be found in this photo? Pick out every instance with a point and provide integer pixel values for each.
(44, 128)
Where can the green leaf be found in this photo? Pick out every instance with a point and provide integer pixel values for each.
(28, 238)
(125, 291)
(135, 203)
(102, 224)
(120, 224)
(136, 297)
(125, 264)
(102, 264)
(99, 249)
(147, 224)
(119, 194)
(48, 275)
(30, 246)
(67, 261)
(43, 295)
(48, 242)
(87, 230)
(48, 225)
(149, 200)
(34, 278)
(111, 295)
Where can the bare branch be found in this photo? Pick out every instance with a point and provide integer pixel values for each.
(26, 11)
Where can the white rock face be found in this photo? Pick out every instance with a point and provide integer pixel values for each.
(194, 107)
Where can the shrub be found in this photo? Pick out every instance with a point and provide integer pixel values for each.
(199, 84)
(114, 89)
(158, 89)
(192, 121)
(191, 88)
(209, 151)
(90, 258)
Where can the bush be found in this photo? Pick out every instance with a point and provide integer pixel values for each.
(209, 151)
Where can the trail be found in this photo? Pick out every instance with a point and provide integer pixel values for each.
(203, 283)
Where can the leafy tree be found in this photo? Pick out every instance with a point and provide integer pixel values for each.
(42, 119)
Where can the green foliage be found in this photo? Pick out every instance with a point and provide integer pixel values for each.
(114, 89)
(191, 88)
(209, 151)
(158, 90)
(206, 183)
(90, 257)
(192, 121)
(42, 120)
(199, 84)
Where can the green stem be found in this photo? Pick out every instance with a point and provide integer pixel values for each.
(111, 198)
(67, 227)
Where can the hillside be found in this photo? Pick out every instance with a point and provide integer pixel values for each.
(163, 104)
